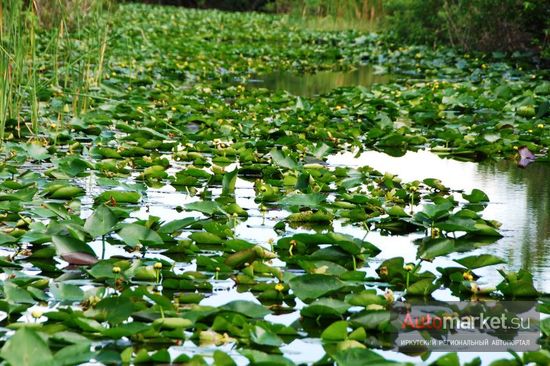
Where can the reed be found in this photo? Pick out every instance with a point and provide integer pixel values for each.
(334, 14)
(15, 43)
(44, 45)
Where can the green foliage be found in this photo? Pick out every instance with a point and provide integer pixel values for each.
(189, 182)
(471, 25)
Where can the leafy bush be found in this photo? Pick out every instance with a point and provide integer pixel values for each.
(471, 24)
(415, 21)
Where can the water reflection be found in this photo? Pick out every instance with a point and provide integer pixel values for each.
(520, 200)
(309, 85)
(532, 230)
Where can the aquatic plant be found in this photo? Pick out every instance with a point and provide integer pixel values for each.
(138, 212)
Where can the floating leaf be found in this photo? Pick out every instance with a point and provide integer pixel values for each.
(27, 348)
(79, 258)
(63, 191)
(65, 292)
(311, 200)
(423, 287)
(325, 307)
(265, 337)
(246, 308)
(134, 234)
(116, 197)
(337, 331)
(311, 286)
(478, 261)
(476, 196)
(517, 284)
(74, 354)
(176, 225)
(100, 222)
(205, 207)
(282, 160)
(74, 250)
(228, 182)
(359, 357)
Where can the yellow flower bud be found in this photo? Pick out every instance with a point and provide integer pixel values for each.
(116, 269)
(468, 276)
(388, 295)
(375, 307)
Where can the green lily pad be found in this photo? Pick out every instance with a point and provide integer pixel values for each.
(478, 261)
(246, 308)
(100, 222)
(117, 197)
(27, 348)
(134, 234)
(309, 287)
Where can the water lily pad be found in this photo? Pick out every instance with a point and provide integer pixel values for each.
(312, 286)
(478, 261)
(100, 222)
(325, 307)
(65, 245)
(116, 197)
(264, 337)
(205, 207)
(517, 284)
(246, 308)
(134, 234)
(27, 348)
(476, 196)
(337, 331)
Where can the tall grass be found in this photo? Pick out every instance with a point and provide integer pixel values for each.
(45, 45)
(333, 14)
(15, 42)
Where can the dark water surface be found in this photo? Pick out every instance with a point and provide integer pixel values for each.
(309, 85)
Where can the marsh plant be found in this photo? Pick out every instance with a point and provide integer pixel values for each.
(47, 47)
(334, 14)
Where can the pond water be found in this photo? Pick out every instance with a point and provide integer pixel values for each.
(309, 85)
(520, 200)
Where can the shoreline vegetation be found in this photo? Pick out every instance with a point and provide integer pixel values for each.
(482, 25)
